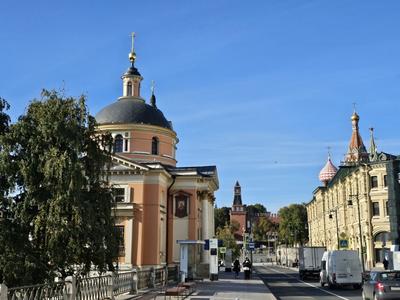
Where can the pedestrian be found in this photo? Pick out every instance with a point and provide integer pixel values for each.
(236, 267)
(385, 263)
(247, 268)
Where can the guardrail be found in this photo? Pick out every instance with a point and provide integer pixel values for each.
(93, 288)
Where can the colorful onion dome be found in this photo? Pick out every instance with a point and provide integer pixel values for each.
(328, 171)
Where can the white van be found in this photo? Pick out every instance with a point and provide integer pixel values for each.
(341, 267)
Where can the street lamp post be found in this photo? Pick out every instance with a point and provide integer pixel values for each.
(337, 225)
(350, 202)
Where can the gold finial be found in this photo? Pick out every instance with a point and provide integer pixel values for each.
(354, 106)
(329, 152)
(153, 86)
(132, 54)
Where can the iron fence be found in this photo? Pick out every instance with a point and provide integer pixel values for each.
(93, 288)
(144, 279)
(51, 291)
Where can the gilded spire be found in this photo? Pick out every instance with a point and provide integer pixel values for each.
(132, 54)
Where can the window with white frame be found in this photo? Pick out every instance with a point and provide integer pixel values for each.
(121, 142)
(119, 194)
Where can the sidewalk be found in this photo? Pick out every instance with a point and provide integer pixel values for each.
(229, 288)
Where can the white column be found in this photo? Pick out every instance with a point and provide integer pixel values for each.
(128, 242)
(204, 225)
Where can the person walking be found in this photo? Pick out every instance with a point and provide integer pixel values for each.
(247, 268)
(385, 263)
(236, 267)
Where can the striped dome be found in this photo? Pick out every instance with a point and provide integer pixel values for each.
(328, 171)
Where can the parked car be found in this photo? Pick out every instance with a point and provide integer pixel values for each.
(340, 268)
(382, 285)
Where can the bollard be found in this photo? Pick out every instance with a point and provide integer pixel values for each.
(3, 292)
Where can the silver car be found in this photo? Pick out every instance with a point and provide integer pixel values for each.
(382, 285)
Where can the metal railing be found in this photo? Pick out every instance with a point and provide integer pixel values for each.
(93, 288)
(144, 279)
(125, 283)
(53, 291)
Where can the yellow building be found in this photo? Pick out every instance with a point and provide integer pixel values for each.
(157, 202)
(351, 210)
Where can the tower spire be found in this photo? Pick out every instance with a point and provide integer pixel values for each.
(131, 79)
(372, 146)
(356, 151)
(153, 96)
(132, 54)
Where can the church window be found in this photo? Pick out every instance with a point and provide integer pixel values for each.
(129, 89)
(125, 145)
(119, 194)
(374, 181)
(384, 180)
(154, 146)
(118, 143)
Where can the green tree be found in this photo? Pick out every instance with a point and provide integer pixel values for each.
(60, 200)
(221, 216)
(255, 209)
(263, 227)
(228, 238)
(293, 224)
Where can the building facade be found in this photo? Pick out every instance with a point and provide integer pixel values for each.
(352, 210)
(157, 203)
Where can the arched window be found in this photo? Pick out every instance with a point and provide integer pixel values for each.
(118, 143)
(154, 146)
(129, 89)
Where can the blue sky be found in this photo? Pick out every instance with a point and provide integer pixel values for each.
(258, 88)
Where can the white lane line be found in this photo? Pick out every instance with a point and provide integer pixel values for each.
(309, 284)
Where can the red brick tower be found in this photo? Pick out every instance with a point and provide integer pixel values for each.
(238, 211)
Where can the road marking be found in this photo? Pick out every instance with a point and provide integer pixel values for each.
(309, 284)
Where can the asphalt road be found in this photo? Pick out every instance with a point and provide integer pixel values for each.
(285, 285)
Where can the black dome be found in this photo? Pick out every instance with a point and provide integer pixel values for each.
(132, 110)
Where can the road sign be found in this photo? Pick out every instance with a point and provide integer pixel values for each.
(343, 243)
(222, 250)
(251, 246)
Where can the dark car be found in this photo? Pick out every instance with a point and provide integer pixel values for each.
(382, 285)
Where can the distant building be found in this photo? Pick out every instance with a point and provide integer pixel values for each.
(358, 205)
(239, 213)
(157, 203)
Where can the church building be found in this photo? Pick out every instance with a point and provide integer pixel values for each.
(157, 202)
(358, 205)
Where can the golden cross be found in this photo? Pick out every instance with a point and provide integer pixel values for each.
(152, 87)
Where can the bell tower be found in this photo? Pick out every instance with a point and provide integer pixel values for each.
(238, 212)
(132, 79)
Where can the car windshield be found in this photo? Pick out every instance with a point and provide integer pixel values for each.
(390, 276)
